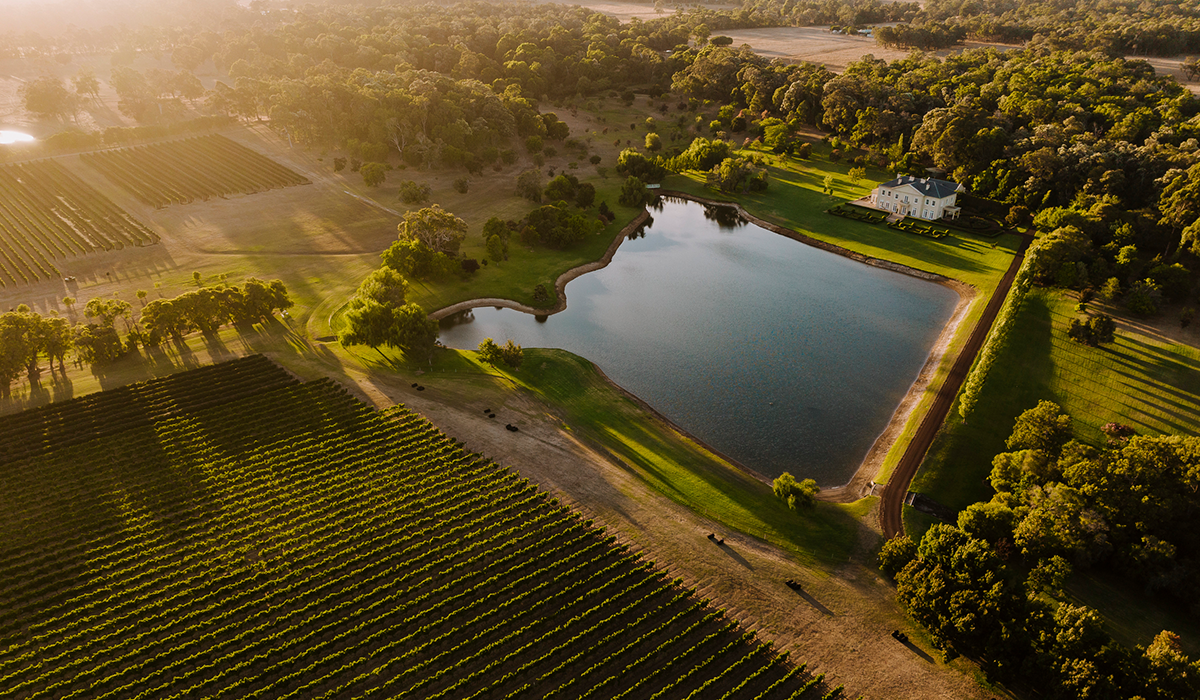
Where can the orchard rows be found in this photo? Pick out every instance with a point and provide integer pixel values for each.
(178, 172)
(48, 214)
(231, 532)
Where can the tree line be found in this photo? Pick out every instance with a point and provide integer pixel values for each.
(26, 336)
(1062, 506)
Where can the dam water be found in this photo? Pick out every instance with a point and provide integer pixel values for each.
(781, 355)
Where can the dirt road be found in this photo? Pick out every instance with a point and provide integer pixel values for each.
(892, 503)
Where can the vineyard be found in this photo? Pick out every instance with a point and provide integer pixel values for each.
(48, 214)
(178, 172)
(232, 532)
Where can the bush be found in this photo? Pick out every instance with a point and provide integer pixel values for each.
(339, 164)
(373, 174)
(414, 193)
(541, 294)
(461, 185)
(797, 494)
(896, 554)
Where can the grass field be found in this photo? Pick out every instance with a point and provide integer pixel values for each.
(232, 530)
(677, 466)
(1151, 385)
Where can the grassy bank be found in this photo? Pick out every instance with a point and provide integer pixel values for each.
(677, 466)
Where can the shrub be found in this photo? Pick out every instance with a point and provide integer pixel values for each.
(797, 494)
(414, 193)
(339, 164)
(461, 185)
(540, 294)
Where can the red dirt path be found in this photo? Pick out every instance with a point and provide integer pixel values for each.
(892, 503)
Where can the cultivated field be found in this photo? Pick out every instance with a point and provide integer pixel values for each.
(179, 172)
(233, 531)
(47, 215)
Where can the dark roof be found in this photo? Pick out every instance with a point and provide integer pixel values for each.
(927, 186)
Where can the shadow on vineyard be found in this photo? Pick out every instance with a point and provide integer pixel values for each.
(234, 530)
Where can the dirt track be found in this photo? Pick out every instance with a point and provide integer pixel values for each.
(892, 503)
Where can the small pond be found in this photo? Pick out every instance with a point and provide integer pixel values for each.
(14, 137)
(783, 356)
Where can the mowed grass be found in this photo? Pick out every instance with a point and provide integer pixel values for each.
(1149, 384)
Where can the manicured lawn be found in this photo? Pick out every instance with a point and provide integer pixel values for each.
(671, 463)
(1151, 385)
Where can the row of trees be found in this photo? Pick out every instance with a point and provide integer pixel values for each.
(26, 336)
(1059, 506)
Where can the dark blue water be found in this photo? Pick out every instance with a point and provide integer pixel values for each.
(781, 355)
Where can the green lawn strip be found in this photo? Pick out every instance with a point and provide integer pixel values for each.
(677, 466)
(1149, 384)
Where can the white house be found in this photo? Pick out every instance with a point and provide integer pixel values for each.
(919, 197)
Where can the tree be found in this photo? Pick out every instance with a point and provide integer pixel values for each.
(510, 353)
(497, 249)
(856, 175)
(896, 554)
(529, 185)
(369, 323)
(1044, 427)
(797, 494)
(633, 192)
(162, 318)
(653, 142)
(438, 229)
(85, 83)
(384, 286)
(373, 174)
(827, 185)
(260, 300)
(413, 193)
(47, 97)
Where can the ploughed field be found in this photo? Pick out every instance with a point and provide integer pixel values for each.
(231, 531)
(48, 214)
(182, 171)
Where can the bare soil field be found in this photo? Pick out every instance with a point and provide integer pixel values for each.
(836, 51)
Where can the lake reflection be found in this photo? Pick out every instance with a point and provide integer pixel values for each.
(14, 137)
(783, 356)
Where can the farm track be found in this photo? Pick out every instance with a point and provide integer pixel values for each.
(896, 491)
(233, 531)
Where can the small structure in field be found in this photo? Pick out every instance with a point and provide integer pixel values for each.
(919, 197)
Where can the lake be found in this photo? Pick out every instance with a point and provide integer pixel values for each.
(783, 356)
(14, 137)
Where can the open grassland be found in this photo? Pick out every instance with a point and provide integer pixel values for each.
(48, 215)
(231, 530)
(179, 172)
